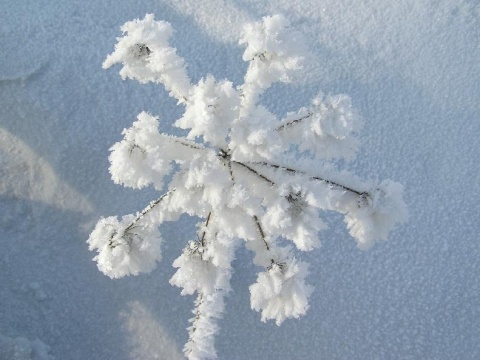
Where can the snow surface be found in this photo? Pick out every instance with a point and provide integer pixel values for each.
(411, 69)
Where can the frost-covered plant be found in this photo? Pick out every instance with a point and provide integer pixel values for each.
(243, 172)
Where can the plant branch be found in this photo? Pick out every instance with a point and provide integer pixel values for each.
(281, 265)
(260, 230)
(330, 182)
(272, 183)
(147, 210)
(190, 145)
(293, 122)
(202, 240)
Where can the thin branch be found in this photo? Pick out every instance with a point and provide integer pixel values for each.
(190, 145)
(202, 240)
(147, 210)
(330, 182)
(255, 218)
(231, 171)
(293, 122)
(262, 233)
(136, 146)
(281, 265)
(255, 172)
(139, 216)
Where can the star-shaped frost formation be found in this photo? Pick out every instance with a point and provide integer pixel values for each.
(245, 173)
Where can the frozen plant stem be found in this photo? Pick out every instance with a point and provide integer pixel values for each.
(233, 172)
(202, 240)
(263, 177)
(293, 122)
(145, 211)
(329, 182)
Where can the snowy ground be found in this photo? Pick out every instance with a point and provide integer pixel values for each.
(412, 70)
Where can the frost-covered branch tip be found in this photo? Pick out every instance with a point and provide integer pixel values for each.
(245, 174)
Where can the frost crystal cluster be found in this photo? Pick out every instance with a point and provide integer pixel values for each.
(248, 177)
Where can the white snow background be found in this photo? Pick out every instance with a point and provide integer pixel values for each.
(412, 69)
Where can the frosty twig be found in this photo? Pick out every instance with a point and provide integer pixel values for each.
(227, 166)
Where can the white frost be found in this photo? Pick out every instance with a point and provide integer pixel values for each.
(242, 171)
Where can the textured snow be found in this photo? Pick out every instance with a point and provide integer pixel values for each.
(411, 69)
(23, 349)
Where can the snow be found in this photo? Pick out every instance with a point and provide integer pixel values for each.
(22, 349)
(410, 68)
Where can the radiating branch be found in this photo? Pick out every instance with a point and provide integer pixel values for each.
(282, 265)
(330, 182)
(260, 230)
(145, 211)
(254, 172)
